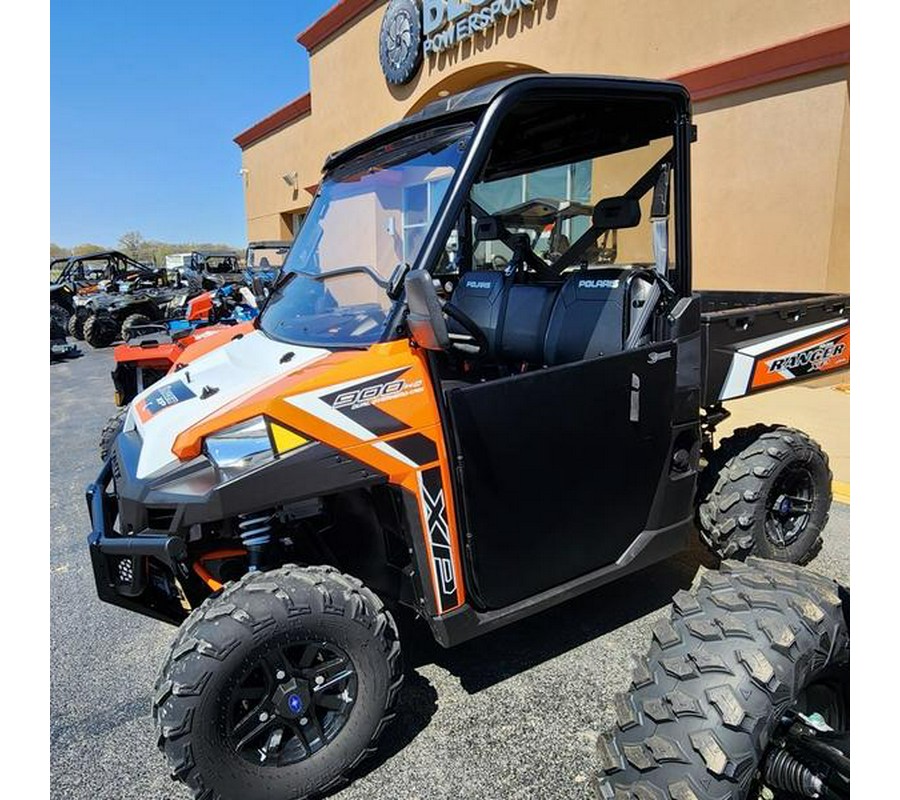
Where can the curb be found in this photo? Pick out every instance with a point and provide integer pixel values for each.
(841, 491)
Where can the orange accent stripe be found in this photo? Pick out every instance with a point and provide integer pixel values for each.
(141, 408)
(762, 377)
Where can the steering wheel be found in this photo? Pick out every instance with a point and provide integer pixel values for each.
(478, 346)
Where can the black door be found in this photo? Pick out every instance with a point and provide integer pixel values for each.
(560, 467)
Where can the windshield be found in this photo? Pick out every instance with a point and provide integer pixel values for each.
(260, 259)
(369, 216)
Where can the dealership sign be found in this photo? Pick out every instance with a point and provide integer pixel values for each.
(410, 30)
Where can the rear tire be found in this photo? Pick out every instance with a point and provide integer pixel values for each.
(110, 431)
(718, 678)
(100, 330)
(133, 321)
(76, 322)
(771, 495)
(231, 640)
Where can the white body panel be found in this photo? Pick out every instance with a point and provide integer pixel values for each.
(234, 369)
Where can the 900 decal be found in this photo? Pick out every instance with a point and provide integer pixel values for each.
(367, 395)
(376, 393)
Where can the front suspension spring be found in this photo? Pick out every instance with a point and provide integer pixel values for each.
(256, 536)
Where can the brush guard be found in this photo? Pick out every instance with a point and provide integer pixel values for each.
(135, 572)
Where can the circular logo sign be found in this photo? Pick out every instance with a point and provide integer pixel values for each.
(400, 45)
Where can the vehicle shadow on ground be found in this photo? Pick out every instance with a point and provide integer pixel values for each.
(416, 706)
(494, 657)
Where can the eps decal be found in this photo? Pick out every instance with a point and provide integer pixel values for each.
(163, 398)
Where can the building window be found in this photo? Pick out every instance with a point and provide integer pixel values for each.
(420, 203)
(567, 182)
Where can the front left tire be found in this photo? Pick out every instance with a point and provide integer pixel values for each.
(278, 687)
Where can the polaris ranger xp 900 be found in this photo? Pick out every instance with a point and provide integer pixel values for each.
(436, 411)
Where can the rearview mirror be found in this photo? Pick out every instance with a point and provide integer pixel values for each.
(427, 325)
(615, 213)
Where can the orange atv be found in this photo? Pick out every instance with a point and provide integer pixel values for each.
(430, 414)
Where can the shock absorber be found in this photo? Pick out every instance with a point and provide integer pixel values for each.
(256, 536)
(784, 772)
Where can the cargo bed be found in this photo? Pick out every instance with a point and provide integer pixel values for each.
(753, 341)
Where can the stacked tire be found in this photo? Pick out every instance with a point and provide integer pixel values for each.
(756, 640)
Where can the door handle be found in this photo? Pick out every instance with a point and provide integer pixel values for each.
(634, 412)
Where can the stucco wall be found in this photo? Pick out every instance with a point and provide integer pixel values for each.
(771, 168)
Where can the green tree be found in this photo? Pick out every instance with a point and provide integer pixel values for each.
(132, 243)
(59, 252)
(87, 247)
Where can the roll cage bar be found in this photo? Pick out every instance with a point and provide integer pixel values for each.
(490, 106)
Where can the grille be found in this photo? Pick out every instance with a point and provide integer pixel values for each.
(125, 570)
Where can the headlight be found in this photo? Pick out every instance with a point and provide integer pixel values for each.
(240, 448)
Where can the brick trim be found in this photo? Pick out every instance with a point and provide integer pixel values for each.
(820, 50)
(277, 119)
(343, 13)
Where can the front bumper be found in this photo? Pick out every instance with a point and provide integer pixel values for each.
(134, 572)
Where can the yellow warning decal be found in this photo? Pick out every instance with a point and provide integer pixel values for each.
(284, 439)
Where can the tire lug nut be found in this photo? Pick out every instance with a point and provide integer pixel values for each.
(263, 717)
(319, 680)
(280, 674)
(303, 720)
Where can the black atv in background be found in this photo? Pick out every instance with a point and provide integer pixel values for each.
(75, 287)
(111, 315)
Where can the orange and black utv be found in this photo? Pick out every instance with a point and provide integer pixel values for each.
(482, 385)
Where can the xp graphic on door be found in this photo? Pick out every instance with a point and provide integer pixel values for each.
(482, 384)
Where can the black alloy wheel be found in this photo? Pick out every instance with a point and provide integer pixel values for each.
(789, 505)
(291, 702)
(766, 491)
(278, 686)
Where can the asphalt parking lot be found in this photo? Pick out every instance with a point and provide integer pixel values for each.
(510, 715)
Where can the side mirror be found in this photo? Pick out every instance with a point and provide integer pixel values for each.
(427, 325)
(615, 213)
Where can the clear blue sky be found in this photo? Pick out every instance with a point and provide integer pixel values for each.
(145, 99)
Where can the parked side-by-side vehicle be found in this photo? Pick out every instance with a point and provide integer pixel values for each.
(457, 402)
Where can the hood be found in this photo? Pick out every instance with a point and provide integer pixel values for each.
(205, 386)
